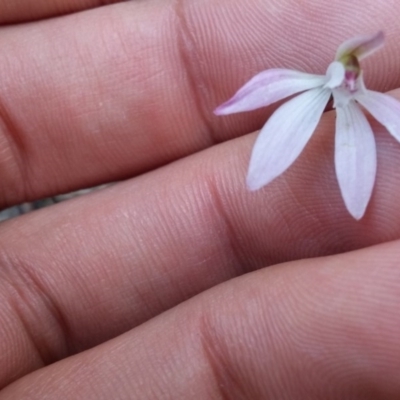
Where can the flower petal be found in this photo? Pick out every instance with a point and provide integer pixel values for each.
(268, 87)
(341, 97)
(335, 75)
(355, 158)
(383, 108)
(361, 46)
(284, 136)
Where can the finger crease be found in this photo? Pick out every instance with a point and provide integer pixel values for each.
(15, 142)
(191, 61)
(235, 248)
(227, 385)
(27, 297)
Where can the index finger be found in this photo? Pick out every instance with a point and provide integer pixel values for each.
(119, 90)
(28, 10)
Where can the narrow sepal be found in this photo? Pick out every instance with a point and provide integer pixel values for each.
(268, 87)
(284, 136)
(385, 109)
(355, 158)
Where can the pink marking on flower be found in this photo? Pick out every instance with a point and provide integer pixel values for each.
(288, 130)
(350, 79)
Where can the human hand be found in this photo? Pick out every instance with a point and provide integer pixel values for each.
(106, 284)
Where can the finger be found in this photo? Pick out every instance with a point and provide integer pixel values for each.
(314, 329)
(28, 10)
(79, 273)
(117, 91)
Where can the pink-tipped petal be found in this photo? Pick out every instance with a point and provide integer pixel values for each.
(335, 75)
(355, 158)
(361, 46)
(268, 87)
(385, 109)
(284, 136)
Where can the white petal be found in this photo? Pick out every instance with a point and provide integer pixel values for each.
(341, 97)
(385, 109)
(335, 75)
(355, 158)
(361, 46)
(284, 136)
(268, 87)
(360, 85)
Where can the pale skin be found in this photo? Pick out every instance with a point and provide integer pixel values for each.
(303, 301)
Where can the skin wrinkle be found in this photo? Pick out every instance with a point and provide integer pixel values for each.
(221, 347)
(32, 302)
(190, 61)
(23, 347)
(306, 210)
(228, 385)
(231, 237)
(15, 144)
(302, 206)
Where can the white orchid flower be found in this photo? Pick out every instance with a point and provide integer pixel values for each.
(290, 127)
